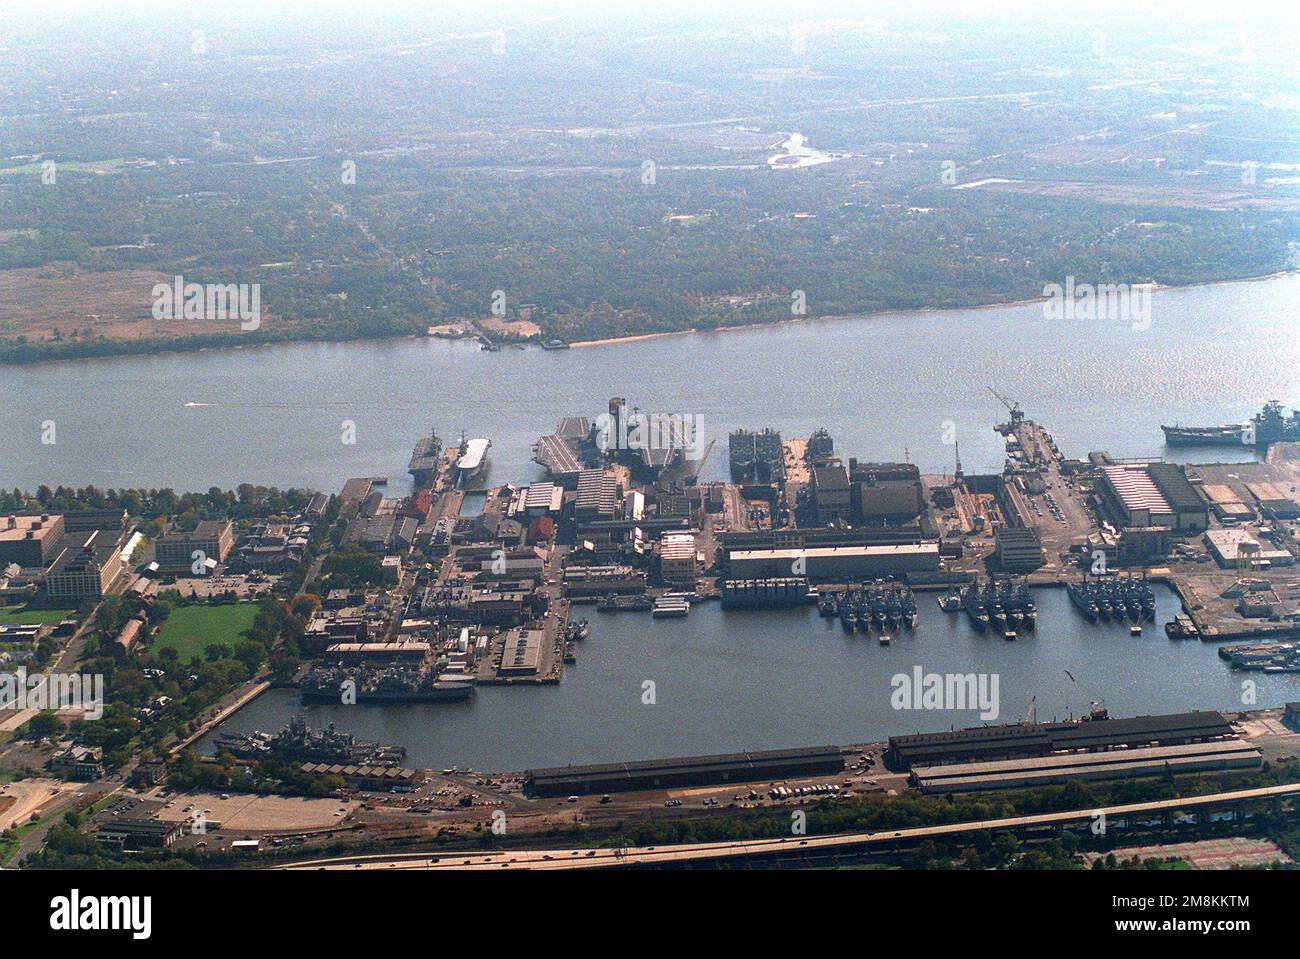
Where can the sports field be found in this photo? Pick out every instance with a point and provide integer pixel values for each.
(190, 630)
(18, 614)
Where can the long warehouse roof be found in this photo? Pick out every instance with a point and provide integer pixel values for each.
(829, 552)
(681, 764)
(1136, 489)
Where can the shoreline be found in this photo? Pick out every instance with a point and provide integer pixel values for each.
(182, 346)
(912, 311)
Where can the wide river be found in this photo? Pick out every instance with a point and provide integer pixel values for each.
(885, 386)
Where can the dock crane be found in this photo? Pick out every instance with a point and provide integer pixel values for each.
(699, 467)
(1017, 414)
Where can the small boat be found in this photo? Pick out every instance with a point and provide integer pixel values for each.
(1009, 635)
(884, 639)
(1135, 630)
(670, 606)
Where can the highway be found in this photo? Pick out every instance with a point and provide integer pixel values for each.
(544, 859)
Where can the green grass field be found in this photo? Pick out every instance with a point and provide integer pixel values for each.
(16, 614)
(190, 630)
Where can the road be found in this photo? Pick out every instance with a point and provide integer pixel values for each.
(547, 859)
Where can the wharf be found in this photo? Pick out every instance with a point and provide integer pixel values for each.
(1215, 617)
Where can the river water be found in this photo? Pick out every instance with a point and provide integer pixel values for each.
(732, 680)
(885, 386)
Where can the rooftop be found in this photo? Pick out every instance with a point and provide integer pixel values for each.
(1136, 489)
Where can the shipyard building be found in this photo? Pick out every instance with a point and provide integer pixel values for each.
(1018, 549)
(835, 563)
(690, 771)
(831, 494)
(984, 744)
(1152, 494)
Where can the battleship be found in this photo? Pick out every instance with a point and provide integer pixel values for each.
(297, 742)
(1269, 425)
(388, 684)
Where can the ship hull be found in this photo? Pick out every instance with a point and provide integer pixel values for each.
(447, 695)
(1203, 436)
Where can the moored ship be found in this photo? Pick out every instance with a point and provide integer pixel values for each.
(389, 684)
(1269, 425)
(424, 459)
(472, 461)
(625, 603)
(297, 742)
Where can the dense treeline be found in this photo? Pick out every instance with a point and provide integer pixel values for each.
(245, 502)
(379, 198)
